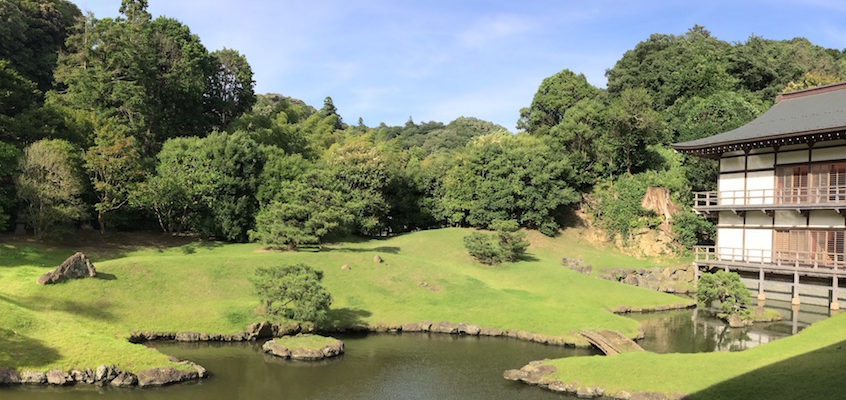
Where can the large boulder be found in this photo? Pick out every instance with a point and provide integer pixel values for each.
(9, 376)
(166, 376)
(124, 379)
(56, 377)
(260, 330)
(75, 267)
(35, 377)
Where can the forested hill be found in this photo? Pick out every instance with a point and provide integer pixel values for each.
(132, 123)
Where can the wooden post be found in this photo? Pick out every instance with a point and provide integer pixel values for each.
(834, 304)
(795, 300)
(761, 296)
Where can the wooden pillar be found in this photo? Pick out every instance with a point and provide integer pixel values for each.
(761, 295)
(795, 300)
(834, 304)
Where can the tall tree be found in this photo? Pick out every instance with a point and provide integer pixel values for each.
(555, 95)
(50, 184)
(231, 87)
(114, 164)
(632, 126)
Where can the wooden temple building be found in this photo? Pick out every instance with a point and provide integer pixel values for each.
(780, 203)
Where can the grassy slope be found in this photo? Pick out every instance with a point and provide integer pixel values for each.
(204, 287)
(808, 365)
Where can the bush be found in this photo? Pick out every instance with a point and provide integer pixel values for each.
(483, 249)
(509, 244)
(292, 292)
(691, 229)
(726, 288)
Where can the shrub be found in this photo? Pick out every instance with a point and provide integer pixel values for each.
(292, 292)
(483, 249)
(691, 229)
(726, 288)
(508, 244)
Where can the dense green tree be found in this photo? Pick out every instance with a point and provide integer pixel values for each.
(508, 244)
(50, 184)
(671, 67)
(361, 176)
(8, 167)
(457, 134)
(293, 292)
(632, 126)
(231, 90)
(114, 164)
(554, 97)
(504, 177)
(32, 34)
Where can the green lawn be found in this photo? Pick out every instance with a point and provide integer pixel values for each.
(303, 341)
(805, 366)
(147, 283)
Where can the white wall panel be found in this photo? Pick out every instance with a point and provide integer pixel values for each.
(731, 188)
(789, 218)
(825, 219)
(732, 164)
(730, 243)
(829, 153)
(761, 161)
(728, 218)
(758, 219)
(759, 245)
(793, 157)
(760, 187)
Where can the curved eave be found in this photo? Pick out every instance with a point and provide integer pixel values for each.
(715, 150)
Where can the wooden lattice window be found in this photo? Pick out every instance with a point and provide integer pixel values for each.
(792, 184)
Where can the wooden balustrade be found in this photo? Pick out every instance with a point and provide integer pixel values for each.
(782, 258)
(797, 196)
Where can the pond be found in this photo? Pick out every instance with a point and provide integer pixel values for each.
(416, 366)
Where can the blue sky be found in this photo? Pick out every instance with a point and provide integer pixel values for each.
(437, 60)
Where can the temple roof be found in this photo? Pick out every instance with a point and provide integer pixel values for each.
(814, 114)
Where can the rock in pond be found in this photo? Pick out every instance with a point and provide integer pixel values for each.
(9, 376)
(35, 377)
(75, 267)
(56, 377)
(168, 375)
(304, 347)
(124, 379)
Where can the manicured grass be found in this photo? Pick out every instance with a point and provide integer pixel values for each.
(806, 366)
(304, 341)
(147, 283)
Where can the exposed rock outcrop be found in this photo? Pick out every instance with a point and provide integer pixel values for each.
(75, 267)
(680, 279)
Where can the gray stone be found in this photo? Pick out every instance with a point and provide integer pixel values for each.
(74, 267)
(9, 376)
(622, 395)
(105, 373)
(56, 377)
(468, 329)
(166, 376)
(260, 330)
(490, 332)
(124, 379)
(377, 259)
(187, 336)
(444, 327)
(586, 392)
(34, 377)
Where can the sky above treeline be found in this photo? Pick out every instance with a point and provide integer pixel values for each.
(386, 61)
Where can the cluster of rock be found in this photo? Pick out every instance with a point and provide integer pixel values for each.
(536, 373)
(473, 330)
(75, 267)
(332, 349)
(255, 331)
(669, 280)
(105, 375)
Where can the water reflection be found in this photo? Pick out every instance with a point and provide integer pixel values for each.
(695, 331)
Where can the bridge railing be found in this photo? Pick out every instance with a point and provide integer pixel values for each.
(783, 258)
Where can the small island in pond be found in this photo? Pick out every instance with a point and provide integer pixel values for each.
(304, 347)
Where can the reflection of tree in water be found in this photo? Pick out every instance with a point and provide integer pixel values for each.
(692, 331)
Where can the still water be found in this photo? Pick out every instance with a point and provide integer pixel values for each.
(416, 366)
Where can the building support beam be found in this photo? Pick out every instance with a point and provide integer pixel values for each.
(761, 296)
(834, 304)
(795, 300)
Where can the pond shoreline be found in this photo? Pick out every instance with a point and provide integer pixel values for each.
(267, 330)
